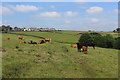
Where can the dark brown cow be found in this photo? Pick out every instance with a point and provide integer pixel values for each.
(80, 45)
(84, 49)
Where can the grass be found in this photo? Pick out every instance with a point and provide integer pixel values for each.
(55, 36)
(55, 60)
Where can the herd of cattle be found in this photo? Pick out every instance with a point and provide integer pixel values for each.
(32, 42)
(80, 46)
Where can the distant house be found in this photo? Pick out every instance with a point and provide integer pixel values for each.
(27, 29)
(46, 29)
(34, 29)
(17, 29)
(39, 29)
(6, 28)
(42, 29)
(52, 29)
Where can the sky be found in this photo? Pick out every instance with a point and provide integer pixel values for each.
(79, 16)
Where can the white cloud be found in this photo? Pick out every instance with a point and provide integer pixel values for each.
(117, 11)
(50, 14)
(70, 13)
(94, 20)
(0, 22)
(94, 10)
(5, 11)
(67, 22)
(40, 7)
(53, 7)
(25, 8)
(5, 21)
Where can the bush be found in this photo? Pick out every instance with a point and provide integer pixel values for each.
(116, 44)
(86, 38)
(106, 41)
(109, 41)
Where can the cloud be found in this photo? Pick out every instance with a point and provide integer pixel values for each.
(5, 11)
(117, 11)
(0, 22)
(5, 21)
(50, 14)
(94, 20)
(70, 13)
(53, 7)
(67, 22)
(94, 10)
(25, 8)
(80, 0)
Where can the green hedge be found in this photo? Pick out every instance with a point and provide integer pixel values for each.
(106, 41)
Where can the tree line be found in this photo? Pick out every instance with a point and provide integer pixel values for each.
(104, 41)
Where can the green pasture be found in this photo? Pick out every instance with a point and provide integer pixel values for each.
(55, 60)
(71, 39)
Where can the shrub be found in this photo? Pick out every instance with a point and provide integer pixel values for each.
(106, 41)
(116, 44)
(85, 38)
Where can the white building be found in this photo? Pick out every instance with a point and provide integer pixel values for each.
(27, 29)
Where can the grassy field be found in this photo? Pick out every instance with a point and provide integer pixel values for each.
(55, 60)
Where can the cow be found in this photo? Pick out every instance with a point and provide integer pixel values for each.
(8, 38)
(48, 40)
(27, 42)
(80, 45)
(91, 44)
(20, 37)
(73, 46)
(31, 42)
(84, 49)
(42, 41)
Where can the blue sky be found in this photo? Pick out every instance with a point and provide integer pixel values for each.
(83, 16)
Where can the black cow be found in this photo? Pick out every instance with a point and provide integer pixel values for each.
(91, 44)
(31, 42)
(80, 45)
(42, 41)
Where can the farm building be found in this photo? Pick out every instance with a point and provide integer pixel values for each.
(39, 29)
(17, 29)
(27, 29)
(6, 29)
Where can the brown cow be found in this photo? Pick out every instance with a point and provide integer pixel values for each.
(84, 49)
(42, 41)
(8, 38)
(48, 40)
(73, 46)
(20, 37)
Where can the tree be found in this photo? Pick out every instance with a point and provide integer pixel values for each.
(116, 44)
(10, 28)
(3, 27)
(114, 31)
(109, 41)
(118, 29)
(86, 38)
(15, 27)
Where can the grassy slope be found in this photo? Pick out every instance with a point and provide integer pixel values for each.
(55, 36)
(56, 60)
